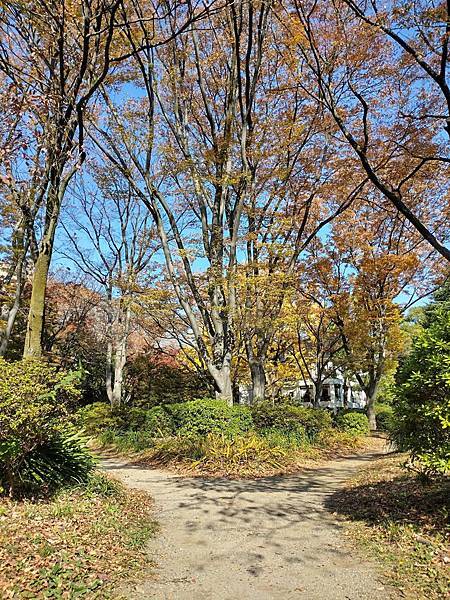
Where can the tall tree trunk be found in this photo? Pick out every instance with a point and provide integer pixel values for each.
(35, 324)
(345, 392)
(20, 246)
(11, 319)
(371, 390)
(222, 381)
(258, 375)
(14, 309)
(318, 389)
(109, 372)
(371, 393)
(120, 360)
(119, 365)
(109, 344)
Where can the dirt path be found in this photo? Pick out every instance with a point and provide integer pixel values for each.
(262, 539)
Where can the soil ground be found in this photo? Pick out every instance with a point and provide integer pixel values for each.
(266, 539)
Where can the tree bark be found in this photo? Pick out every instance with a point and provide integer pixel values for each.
(14, 309)
(222, 381)
(258, 375)
(20, 246)
(318, 388)
(345, 392)
(109, 345)
(108, 375)
(371, 393)
(120, 360)
(12, 314)
(35, 325)
(118, 380)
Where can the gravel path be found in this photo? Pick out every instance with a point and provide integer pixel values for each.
(262, 539)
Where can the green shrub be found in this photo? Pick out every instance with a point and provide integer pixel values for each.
(126, 440)
(37, 450)
(98, 417)
(422, 406)
(289, 418)
(384, 414)
(61, 460)
(134, 418)
(200, 417)
(355, 423)
(33, 395)
(159, 422)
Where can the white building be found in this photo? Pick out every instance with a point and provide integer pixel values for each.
(302, 392)
(333, 392)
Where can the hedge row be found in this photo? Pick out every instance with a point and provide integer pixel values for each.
(203, 416)
(197, 417)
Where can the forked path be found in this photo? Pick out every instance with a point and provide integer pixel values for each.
(260, 539)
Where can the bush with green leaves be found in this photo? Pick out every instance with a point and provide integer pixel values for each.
(200, 417)
(355, 423)
(422, 405)
(99, 416)
(290, 418)
(134, 417)
(125, 440)
(38, 450)
(384, 414)
(159, 422)
(61, 460)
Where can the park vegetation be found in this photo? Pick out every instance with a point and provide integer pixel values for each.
(207, 436)
(202, 206)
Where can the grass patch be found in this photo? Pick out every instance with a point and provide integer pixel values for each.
(79, 544)
(403, 522)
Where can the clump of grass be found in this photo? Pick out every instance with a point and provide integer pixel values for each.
(287, 440)
(249, 454)
(241, 454)
(79, 544)
(333, 441)
(403, 523)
